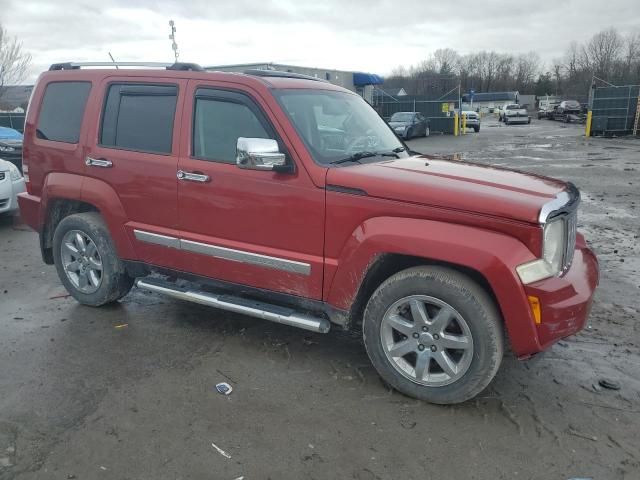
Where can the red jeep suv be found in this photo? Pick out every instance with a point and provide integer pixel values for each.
(289, 199)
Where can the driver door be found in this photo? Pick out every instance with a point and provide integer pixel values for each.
(258, 228)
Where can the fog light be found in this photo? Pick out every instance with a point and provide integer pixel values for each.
(534, 302)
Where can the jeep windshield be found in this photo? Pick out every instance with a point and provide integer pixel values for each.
(339, 127)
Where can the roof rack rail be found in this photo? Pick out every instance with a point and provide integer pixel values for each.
(281, 74)
(169, 66)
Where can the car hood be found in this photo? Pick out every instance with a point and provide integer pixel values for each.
(399, 124)
(9, 142)
(452, 184)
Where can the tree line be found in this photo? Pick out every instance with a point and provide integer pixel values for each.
(607, 57)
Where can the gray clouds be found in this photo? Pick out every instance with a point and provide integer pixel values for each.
(371, 35)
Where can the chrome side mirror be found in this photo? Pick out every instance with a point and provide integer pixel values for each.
(259, 154)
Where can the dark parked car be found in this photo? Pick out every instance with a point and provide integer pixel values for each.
(11, 146)
(409, 124)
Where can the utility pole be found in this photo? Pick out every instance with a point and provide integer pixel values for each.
(172, 37)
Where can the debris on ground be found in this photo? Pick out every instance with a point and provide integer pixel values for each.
(224, 388)
(122, 325)
(220, 451)
(609, 384)
(64, 295)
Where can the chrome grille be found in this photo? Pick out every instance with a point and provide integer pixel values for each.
(4, 202)
(571, 221)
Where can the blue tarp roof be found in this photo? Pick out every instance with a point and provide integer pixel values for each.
(360, 79)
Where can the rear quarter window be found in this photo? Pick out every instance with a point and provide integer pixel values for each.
(61, 112)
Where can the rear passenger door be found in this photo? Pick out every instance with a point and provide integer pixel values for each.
(133, 155)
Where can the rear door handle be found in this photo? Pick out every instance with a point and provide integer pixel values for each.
(193, 177)
(98, 162)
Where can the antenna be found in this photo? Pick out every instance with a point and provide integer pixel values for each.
(111, 57)
(172, 37)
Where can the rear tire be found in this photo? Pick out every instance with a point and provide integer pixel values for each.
(471, 314)
(87, 262)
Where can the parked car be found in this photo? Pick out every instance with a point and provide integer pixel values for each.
(11, 146)
(218, 188)
(569, 107)
(11, 184)
(515, 113)
(547, 110)
(472, 120)
(409, 124)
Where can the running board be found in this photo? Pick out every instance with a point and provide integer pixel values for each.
(230, 303)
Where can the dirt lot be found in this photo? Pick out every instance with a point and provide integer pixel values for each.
(82, 396)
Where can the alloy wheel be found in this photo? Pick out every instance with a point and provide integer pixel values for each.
(81, 261)
(426, 340)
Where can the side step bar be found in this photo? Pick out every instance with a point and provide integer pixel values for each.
(251, 308)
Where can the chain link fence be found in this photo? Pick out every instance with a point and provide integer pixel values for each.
(614, 110)
(12, 120)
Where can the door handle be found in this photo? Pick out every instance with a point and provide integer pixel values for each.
(98, 162)
(193, 177)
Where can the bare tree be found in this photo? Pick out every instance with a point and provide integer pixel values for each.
(603, 51)
(445, 61)
(13, 60)
(631, 55)
(527, 69)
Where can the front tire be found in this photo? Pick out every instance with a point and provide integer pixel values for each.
(433, 334)
(476, 128)
(87, 262)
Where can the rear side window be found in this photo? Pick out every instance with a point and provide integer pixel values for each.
(62, 111)
(219, 122)
(139, 117)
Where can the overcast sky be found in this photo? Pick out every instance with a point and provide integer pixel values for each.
(365, 35)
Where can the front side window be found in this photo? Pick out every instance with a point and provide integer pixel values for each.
(62, 110)
(335, 125)
(219, 122)
(139, 117)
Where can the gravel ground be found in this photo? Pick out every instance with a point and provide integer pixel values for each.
(127, 392)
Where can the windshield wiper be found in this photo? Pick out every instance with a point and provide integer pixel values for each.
(398, 149)
(356, 157)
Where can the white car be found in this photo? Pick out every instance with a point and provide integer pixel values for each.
(514, 113)
(11, 184)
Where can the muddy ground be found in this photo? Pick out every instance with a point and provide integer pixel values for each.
(127, 392)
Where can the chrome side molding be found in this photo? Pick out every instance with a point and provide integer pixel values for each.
(225, 253)
(246, 257)
(273, 313)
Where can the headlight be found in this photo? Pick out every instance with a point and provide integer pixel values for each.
(14, 173)
(552, 254)
(6, 148)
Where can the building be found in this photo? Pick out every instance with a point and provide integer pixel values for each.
(359, 82)
(14, 97)
(488, 101)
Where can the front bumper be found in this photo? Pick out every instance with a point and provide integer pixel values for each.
(565, 301)
(9, 191)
